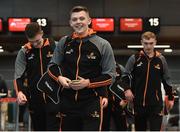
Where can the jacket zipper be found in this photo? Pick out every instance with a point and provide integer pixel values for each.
(147, 78)
(157, 95)
(77, 71)
(41, 66)
(95, 92)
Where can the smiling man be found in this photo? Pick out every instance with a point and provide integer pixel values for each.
(87, 68)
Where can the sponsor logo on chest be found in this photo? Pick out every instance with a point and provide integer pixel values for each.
(139, 64)
(31, 57)
(49, 54)
(157, 66)
(91, 56)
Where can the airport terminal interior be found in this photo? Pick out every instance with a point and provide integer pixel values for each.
(121, 22)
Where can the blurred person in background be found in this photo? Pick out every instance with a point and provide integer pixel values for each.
(3, 87)
(116, 104)
(3, 105)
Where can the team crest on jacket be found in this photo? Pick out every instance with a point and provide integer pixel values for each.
(69, 51)
(91, 56)
(31, 57)
(49, 54)
(95, 114)
(157, 66)
(139, 64)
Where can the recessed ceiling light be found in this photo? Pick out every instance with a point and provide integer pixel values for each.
(168, 50)
(162, 46)
(1, 50)
(140, 46)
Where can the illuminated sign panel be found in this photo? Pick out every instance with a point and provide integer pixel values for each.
(103, 24)
(131, 24)
(18, 24)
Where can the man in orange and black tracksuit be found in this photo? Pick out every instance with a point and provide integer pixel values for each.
(148, 69)
(87, 67)
(147, 75)
(84, 57)
(31, 63)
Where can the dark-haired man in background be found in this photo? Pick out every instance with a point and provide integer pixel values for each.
(31, 63)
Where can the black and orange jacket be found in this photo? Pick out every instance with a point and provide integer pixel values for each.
(31, 63)
(90, 57)
(147, 76)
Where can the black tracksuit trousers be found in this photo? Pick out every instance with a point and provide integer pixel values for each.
(148, 117)
(38, 116)
(83, 114)
(118, 115)
(44, 116)
(52, 116)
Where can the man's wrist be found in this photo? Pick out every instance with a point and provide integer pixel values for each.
(88, 82)
(20, 92)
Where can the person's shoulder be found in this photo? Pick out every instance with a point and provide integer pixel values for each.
(23, 49)
(22, 53)
(99, 41)
(64, 38)
(159, 55)
(26, 48)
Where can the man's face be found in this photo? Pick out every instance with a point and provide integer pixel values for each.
(148, 45)
(36, 41)
(80, 21)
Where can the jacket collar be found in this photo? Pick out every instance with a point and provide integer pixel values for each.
(90, 32)
(29, 46)
(156, 53)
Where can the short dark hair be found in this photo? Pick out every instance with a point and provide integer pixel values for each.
(78, 9)
(32, 29)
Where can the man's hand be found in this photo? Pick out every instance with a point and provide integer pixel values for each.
(21, 98)
(64, 81)
(129, 95)
(123, 103)
(104, 102)
(79, 84)
(169, 103)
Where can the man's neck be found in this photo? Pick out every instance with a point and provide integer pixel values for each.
(41, 44)
(151, 54)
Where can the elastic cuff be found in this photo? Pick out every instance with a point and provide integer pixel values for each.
(170, 97)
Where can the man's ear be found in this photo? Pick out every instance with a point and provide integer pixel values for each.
(70, 23)
(42, 32)
(89, 21)
(155, 42)
(141, 41)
